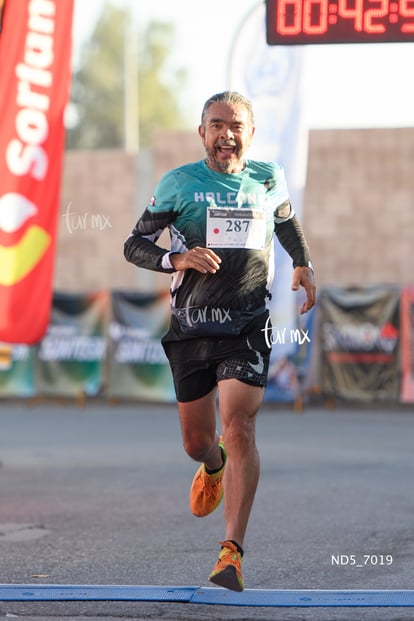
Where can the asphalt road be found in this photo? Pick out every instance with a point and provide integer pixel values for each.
(99, 495)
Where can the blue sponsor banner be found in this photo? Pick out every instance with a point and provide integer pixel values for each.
(71, 356)
(17, 370)
(138, 367)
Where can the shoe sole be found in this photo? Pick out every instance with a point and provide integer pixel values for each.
(227, 579)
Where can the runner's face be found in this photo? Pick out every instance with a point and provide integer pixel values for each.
(226, 135)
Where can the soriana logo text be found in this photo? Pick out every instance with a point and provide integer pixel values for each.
(23, 241)
(19, 258)
(35, 70)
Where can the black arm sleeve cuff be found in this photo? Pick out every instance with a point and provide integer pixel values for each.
(292, 239)
(140, 247)
(144, 253)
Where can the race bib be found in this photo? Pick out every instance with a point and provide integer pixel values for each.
(236, 228)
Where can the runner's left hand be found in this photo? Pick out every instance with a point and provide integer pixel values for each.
(303, 277)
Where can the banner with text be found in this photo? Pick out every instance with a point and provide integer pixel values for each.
(17, 364)
(359, 338)
(71, 356)
(138, 366)
(35, 61)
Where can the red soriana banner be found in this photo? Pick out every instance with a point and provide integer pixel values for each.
(35, 73)
(407, 345)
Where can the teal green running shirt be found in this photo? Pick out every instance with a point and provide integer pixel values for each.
(237, 215)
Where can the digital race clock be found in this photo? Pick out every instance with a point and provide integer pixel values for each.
(297, 22)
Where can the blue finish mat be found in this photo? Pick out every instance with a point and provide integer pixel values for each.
(204, 595)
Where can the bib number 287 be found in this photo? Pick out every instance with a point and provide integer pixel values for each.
(236, 228)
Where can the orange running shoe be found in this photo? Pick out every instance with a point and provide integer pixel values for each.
(207, 489)
(227, 571)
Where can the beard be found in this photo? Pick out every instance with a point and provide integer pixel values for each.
(235, 161)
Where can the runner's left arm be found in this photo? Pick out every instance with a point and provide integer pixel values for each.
(291, 237)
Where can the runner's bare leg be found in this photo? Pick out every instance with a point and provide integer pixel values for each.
(198, 427)
(239, 404)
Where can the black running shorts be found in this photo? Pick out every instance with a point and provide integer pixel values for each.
(198, 364)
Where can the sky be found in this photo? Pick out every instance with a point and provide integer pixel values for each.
(343, 86)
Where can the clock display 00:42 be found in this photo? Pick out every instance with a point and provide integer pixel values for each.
(298, 22)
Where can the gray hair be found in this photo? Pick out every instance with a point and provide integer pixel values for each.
(228, 97)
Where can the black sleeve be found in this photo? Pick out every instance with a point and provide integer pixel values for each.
(292, 239)
(140, 246)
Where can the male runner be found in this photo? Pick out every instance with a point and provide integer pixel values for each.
(222, 214)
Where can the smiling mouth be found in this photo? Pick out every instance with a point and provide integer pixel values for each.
(226, 148)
